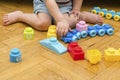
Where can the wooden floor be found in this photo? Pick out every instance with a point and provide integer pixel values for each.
(39, 63)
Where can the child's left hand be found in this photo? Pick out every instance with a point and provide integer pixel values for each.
(77, 14)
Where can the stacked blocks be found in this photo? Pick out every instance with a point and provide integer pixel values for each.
(51, 31)
(15, 55)
(75, 51)
(92, 31)
(93, 56)
(109, 14)
(81, 26)
(54, 45)
(112, 54)
(100, 30)
(28, 33)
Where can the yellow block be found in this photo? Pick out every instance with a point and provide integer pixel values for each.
(112, 54)
(28, 33)
(93, 56)
(51, 31)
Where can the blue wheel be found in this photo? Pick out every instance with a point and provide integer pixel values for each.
(84, 34)
(92, 33)
(110, 32)
(101, 32)
(78, 35)
(74, 38)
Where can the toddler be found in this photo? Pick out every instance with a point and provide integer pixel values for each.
(64, 13)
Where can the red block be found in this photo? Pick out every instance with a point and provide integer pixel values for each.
(75, 51)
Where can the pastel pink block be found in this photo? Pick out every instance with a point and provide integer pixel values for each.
(81, 26)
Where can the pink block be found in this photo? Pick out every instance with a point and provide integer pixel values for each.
(81, 26)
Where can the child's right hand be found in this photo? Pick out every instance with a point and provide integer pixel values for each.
(62, 27)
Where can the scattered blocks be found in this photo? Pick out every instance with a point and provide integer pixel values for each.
(28, 33)
(54, 45)
(93, 56)
(15, 55)
(81, 26)
(111, 54)
(51, 31)
(75, 51)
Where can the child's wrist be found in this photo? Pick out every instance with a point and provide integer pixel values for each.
(76, 9)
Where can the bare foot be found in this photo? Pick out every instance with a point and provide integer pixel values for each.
(92, 18)
(11, 17)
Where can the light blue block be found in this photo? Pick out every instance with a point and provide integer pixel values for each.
(54, 45)
(15, 55)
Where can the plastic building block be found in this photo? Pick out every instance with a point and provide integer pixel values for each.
(93, 56)
(111, 54)
(108, 29)
(28, 33)
(99, 29)
(75, 51)
(117, 16)
(71, 36)
(15, 55)
(103, 12)
(91, 31)
(81, 26)
(110, 14)
(54, 45)
(51, 31)
(95, 10)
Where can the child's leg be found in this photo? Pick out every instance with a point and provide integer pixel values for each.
(40, 22)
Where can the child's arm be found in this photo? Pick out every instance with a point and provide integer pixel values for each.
(77, 4)
(62, 24)
(54, 10)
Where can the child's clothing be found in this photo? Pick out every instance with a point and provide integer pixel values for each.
(65, 6)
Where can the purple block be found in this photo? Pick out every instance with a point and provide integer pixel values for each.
(81, 26)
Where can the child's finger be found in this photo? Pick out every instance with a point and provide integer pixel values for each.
(65, 32)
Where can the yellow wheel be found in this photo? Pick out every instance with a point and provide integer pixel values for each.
(94, 11)
(116, 17)
(108, 16)
(101, 14)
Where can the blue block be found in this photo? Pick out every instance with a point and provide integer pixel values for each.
(15, 55)
(108, 29)
(54, 45)
(99, 29)
(71, 36)
(91, 31)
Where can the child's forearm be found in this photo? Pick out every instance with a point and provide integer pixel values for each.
(54, 10)
(77, 4)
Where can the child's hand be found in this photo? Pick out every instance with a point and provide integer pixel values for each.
(62, 28)
(76, 12)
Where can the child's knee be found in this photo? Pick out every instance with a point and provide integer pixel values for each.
(42, 25)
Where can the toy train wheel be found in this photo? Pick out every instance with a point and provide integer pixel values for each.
(94, 11)
(116, 17)
(101, 14)
(108, 16)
